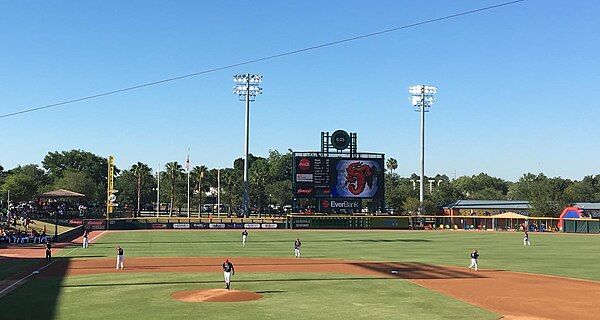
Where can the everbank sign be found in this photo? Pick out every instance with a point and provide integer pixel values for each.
(343, 204)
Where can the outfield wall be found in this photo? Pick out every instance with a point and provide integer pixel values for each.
(305, 221)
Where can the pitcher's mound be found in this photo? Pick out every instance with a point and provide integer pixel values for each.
(216, 295)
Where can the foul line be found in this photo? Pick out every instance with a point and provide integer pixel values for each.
(9, 288)
(98, 236)
(6, 290)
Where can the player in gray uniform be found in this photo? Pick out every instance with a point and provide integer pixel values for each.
(297, 245)
(228, 271)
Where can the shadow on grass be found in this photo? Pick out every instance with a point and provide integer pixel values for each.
(413, 270)
(35, 297)
(219, 282)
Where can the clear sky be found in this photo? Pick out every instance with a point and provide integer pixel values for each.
(516, 84)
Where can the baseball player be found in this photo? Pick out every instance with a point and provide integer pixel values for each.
(228, 271)
(526, 239)
(48, 251)
(85, 238)
(474, 256)
(244, 236)
(297, 245)
(119, 258)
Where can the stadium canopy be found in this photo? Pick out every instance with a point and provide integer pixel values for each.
(507, 215)
(60, 194)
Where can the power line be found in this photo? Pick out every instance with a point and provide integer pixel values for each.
(368, 35)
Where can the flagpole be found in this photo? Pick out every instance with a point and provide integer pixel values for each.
(158, 191)
(219, 193)
(187, 168)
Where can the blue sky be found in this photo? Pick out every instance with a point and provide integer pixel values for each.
(515, 84)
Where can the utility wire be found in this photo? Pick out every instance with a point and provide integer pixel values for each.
(329, 44)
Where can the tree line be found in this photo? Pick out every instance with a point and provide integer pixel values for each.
(270, 185)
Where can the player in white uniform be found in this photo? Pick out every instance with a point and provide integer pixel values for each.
(297, 245)
(85, 238)
(119, 258)
(244, 236)
(526, 239)
(474, 256)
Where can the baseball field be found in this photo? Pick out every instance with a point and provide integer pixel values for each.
(341, 275)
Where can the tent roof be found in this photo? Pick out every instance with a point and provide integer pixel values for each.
(489, 204)
(510, 215)
(61, 193)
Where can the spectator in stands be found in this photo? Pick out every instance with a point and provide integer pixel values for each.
(35, 235)
(43, 236)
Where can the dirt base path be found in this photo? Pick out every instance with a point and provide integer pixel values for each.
(515, 295)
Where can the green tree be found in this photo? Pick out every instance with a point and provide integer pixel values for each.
(142, 172)
(23, 182)
(391, 164)
(258, 176)
(77, 181)
(587, 189)
(201, 185)
(126, 183)
(95, 167)
(445, 193)
(472, 187)
(173, 172)
(232, 187)
(546, 196)
(411, 206)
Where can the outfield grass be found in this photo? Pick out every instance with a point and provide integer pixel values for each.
(295, 295)
(552, 254)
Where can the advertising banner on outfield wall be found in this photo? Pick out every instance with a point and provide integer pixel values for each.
(181, 225)
(94, 224)
(300, 223)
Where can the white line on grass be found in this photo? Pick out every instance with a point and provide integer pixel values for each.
(101, 233)
(6, 290)
(12, 286)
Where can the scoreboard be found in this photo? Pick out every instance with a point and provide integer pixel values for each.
(330, 177)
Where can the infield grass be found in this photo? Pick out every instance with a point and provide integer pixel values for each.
(302, 296)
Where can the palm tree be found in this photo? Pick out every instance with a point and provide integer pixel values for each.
(140, 170)
(174, 171)
(198, 172)
(391, 164)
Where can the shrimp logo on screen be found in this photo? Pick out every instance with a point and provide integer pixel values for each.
(359, 175)
(356, 178)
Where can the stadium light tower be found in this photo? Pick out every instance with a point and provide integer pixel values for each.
(421, 97)
(247, 88)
